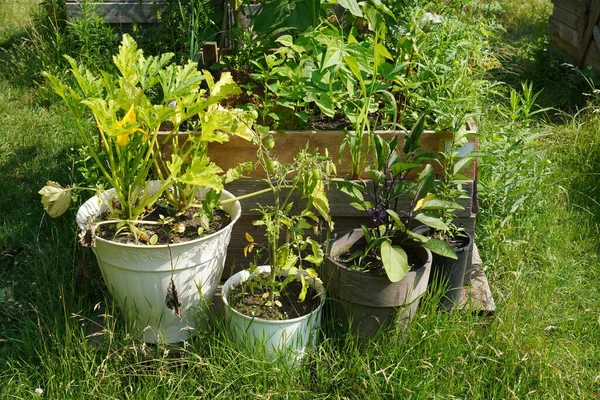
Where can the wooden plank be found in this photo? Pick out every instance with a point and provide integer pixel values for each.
(564, 32)
(237, 150)
(596, 33)
(587, 38)
(593, 58)
(576, 7)
(119, 11)
(564, 48)
(210, 53)
(477, 296)
(338, 201)
(567, 17)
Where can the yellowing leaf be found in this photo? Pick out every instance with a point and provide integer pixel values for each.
(311, 272)
(321, 203)
(225, 86)
(248, 249)
(249, 238)
(55, 198)
(424, 200)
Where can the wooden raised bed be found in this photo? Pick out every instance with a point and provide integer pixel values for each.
(228, 155)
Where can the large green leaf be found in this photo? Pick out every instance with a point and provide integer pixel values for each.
(128, 58)
(273, 14)
(411, 141)
(431, 221)
(394, 261)
(224, 87)
(204, 173)
(324, 103)
(440, 247)
(319, 199)
(461, 164)
(436, 204)
(352, 6)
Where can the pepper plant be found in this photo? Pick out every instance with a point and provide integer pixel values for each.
(390, 182)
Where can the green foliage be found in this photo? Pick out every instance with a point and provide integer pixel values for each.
(448, 58)
(59, 336)
(182, 27)
(49, 36)
(128, 124)
(389, 182)
(298, 254)
(512, 175)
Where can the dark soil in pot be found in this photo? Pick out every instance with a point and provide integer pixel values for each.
(253, 304)
(181, 228)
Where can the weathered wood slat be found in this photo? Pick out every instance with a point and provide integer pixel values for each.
(564, 32)
(574, 5)
(588, 36)
(338, 201)
(118, 11)
(477, 295)
(229, 154)
(567, 16)
(565, 48)
(593, 54)
(237, 150)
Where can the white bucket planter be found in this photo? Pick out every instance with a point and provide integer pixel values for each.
(138, 276)
(291, 338)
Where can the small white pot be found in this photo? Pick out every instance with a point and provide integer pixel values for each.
(138, 276)
(292, 337)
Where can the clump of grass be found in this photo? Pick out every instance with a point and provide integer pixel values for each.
(39, 43)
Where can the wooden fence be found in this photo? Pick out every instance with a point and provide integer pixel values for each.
(575, 31)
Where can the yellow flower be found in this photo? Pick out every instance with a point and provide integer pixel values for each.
(123, 137)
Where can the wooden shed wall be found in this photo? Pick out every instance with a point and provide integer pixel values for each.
(575, 31)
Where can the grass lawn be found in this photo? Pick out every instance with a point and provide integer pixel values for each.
(538, 232)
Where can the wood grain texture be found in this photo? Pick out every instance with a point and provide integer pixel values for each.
(588, 36)
(118, 11)
(477, 295)
(228, 155)
(564, 32)
(338, 201)
(567, 16)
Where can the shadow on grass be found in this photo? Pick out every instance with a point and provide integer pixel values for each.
(526, 54)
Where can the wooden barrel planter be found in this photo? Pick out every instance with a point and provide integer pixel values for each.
(365, 302)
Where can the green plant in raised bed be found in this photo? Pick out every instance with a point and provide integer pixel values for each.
(448, 59)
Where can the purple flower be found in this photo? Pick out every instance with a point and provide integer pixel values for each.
(376, 213)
